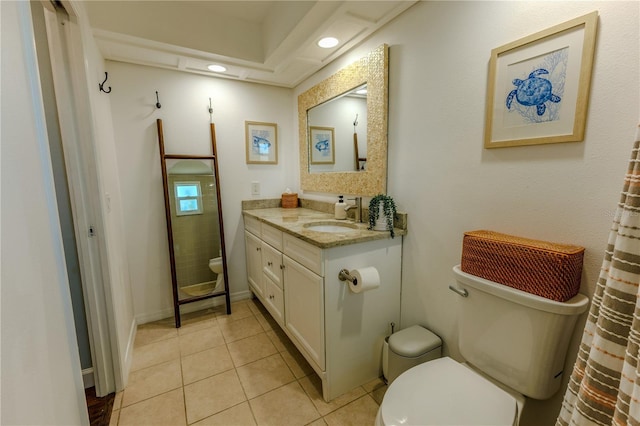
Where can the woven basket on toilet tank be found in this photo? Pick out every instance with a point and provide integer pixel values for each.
(542, 268)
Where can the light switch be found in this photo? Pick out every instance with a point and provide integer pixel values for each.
(255, 188)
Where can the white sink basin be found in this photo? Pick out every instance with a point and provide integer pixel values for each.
(331, 227)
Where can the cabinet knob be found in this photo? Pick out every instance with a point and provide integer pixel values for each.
(257, 248)
(281, 266)
(270, 263)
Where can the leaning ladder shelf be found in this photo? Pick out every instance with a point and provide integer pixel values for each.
(177, 302)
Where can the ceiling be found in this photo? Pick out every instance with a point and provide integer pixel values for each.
(267, 42)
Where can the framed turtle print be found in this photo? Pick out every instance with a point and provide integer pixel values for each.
(538, 88)
(261, 143)
(321, 145)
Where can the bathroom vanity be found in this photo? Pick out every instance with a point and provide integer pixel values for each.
(293, 270)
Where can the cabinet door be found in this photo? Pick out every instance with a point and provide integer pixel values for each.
(253, 247)
(304, 308)
(272, 263)
(274, 301)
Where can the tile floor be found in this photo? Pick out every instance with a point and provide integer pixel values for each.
(237, 369)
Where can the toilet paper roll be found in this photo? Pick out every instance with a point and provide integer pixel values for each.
(364, 279)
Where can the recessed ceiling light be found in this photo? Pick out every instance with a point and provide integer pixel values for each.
(328, 42)
(216, 68)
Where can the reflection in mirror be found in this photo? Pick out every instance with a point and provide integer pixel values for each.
(195, 227)
(346, 115)
(370, 131)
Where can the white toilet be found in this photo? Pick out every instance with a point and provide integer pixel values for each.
(515, 345)
(216, 266)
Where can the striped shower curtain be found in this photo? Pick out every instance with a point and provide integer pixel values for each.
(604, 388)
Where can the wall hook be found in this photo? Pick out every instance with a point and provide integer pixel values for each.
(101, 85)
(158, 101)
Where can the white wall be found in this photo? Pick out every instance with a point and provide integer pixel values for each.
(440, 174)
(41, 378)
(185, 102)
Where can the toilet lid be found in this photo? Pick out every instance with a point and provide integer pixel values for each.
(445, 392)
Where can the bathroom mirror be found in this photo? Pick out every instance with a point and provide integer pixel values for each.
(195, 228)
(372, 71)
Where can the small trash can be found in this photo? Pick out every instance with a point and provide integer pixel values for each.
(408, 348)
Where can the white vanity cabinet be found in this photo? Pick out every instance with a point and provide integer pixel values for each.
(253, 247)
(339, 332)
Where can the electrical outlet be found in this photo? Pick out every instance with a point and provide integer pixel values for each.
(255, 188)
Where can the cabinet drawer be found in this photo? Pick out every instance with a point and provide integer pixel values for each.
(252, 225)
(304, 253)
(272, 263)
(272, 236)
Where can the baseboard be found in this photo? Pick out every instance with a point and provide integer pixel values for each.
(128, 356)
(87, 378)
(191, 307)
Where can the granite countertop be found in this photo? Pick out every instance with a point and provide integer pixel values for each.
(293, 221)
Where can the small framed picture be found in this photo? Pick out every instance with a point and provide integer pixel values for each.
(539, 86)
(262, 142)
(321, 145)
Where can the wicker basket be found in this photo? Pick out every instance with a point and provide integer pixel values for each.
(289, 201)
(542, 268)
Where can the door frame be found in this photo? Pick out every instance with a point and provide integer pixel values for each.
(73, 101)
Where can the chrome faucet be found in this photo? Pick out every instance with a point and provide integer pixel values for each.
(357, 206)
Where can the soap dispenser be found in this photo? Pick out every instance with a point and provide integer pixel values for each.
(341, 213)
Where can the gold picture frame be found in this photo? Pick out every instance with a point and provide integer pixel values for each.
(538, 88)
(261, 142)
(321, 145)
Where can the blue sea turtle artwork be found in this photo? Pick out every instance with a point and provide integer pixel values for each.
(322, 146)
(534, 91)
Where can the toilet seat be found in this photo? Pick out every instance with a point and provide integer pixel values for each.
(445, 392)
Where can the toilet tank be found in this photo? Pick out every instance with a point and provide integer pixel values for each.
(515, 337)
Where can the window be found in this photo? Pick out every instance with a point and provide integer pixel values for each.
(188, 198)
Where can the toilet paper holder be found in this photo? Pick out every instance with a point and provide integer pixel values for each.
(344, 275)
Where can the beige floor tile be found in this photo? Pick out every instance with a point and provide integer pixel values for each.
(266, 321)
(264, 375)
(251, 349)
(373, 385)
(166, 409)
(200, 340)
(319, 422)
(378, 394)
(297, 363)
(205, 364)
(362, 411)
(313, 386)
(256, 307)
(155, 353)
(240, 329)
(287, 405)
(280, 339)
(238, 311)
(202, 322)
(154, 332)
(117, 400)
(376, 388)
(212, 395)
(152, 381)
(240, 415)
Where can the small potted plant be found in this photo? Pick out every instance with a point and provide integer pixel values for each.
(382, 210)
